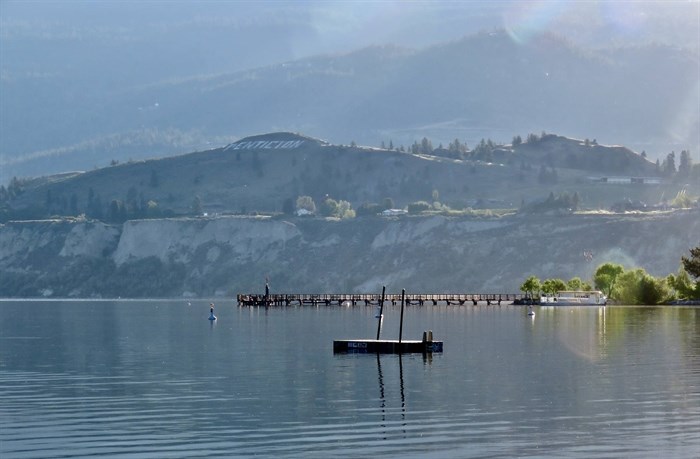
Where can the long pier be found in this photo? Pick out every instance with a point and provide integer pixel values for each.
(369, 299)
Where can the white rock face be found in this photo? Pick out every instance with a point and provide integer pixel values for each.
(406, 231)
(19, 239)
(15, 239)
(207, 256)
(179, 239)
(89, 239)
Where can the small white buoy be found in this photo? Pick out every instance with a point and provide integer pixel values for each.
(211, 312)
(530, 312)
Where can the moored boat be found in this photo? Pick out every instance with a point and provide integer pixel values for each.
(575, 298)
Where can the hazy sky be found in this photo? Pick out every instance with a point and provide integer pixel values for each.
(303, 28)
(57, 57)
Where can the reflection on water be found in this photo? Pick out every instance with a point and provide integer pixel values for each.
(156, 378)
(382, 396)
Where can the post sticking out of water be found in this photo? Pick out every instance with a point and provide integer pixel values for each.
(403, 300)
(381, 311)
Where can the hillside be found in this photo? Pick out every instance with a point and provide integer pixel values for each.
(265, 173)
(207, 257)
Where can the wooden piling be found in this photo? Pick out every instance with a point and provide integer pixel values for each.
(381, 311)
(403, 301)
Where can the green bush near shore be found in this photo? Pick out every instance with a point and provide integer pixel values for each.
(634, 286)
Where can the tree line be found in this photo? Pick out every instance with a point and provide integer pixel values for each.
(669, 167)
(633, 286)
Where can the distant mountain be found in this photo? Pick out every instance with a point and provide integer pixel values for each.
(267, 173)
(486, 85)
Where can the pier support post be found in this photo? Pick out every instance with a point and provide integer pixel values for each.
(381, 312)
(403, 299)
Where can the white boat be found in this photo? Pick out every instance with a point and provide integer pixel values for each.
(574, 298)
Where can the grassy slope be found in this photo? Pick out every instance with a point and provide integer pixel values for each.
(261, 180)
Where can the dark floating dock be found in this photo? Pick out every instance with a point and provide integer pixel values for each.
(391, 346)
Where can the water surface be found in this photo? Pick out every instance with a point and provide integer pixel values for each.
(157, 379)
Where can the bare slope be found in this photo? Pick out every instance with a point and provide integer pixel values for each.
(227, 255)
(261, 173)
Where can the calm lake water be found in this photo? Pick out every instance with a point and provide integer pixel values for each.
(157, 379)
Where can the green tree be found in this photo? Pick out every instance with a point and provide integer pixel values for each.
(653, 290)
(575, 283)
(426, 147)
(345, 209)
(306, 203)
(638, 287)
(552, 286)
(605, 277)
(367, 208)
(329, 208)
(670, 164)
(685, 166)
(626, 289)
(531, 286)
(683, 284)
(692, 264)
(339, 209)
(418, 207)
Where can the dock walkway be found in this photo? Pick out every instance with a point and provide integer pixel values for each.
(369, 299)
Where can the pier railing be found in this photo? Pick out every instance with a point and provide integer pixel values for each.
(368, 299)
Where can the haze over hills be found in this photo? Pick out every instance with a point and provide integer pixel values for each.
(81, 90)
(261, 173)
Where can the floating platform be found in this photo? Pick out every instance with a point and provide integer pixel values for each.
(385, 346)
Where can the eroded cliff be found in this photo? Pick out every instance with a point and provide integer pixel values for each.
(227, 255)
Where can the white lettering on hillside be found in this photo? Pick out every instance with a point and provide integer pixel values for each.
(265, 144)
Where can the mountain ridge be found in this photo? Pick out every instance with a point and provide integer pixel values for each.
(259, 173)
(485, 85)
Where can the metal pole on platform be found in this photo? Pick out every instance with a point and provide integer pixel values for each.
(403, 299)
(381, 311)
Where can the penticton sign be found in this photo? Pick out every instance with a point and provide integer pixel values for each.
(265, 144)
